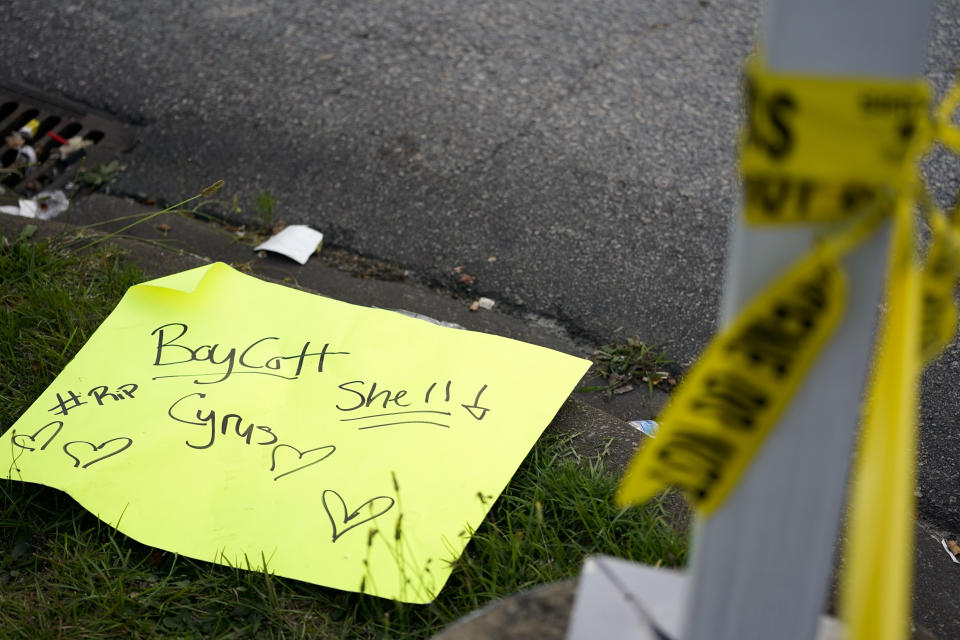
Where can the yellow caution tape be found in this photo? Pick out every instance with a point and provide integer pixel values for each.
(945, 132)
(939, 278)
(919, 322)
(941, 270)
(845, 151)
(816, 149)
(875, 593)
(746, 377)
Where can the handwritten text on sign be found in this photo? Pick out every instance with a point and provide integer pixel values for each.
(340, 445)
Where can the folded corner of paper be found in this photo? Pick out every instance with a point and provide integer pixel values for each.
(187, 281)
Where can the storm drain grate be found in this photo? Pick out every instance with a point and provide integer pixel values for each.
(101, 139)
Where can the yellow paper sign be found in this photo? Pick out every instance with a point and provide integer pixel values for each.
(240, 422)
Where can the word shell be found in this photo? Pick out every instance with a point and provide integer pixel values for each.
(241, 422)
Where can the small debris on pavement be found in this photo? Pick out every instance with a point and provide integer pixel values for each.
(420, 316)
(73, 145)
(56, 137)
(952, 548)
(297, 242)
(647, 427)
(492, 259)
(458, 269)
(45, 205)
(486, 303)
(627, 388)
(20, 140)
(51, 203)
(362, 267)
(162, 227)
(475, 305)
(465, 279)
(235, 230)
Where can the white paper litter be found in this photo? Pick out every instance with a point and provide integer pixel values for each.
(947, 549)
(646, 427)
(45, 205)
(297, 242)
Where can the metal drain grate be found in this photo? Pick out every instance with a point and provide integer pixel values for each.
(59, 120)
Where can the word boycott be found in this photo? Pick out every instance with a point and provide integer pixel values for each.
(256, 358)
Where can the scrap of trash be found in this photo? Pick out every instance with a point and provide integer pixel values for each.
(952, 549)
(36, 157)
(297, 242)
(646, 427)
(486, 304)
(45, 205)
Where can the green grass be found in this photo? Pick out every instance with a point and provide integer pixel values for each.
(265, 203)
(51, 301)
(64, 574)
(623, 366)
(96, 177)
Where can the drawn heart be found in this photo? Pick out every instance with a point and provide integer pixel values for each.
(20, 437)
(339, 506)
(300, 454)
(115, 450)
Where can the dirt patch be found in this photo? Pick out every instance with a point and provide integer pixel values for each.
(362, 267)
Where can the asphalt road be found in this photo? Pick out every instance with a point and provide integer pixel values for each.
(576, 158)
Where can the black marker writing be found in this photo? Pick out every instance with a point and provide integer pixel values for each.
(475, 409)
(282, 459)
(170, 351)
(25, 441)
(390, 424)
(209, 419)
(319, 454)
(426, 398)
(124, 390)
(78, 449)
(377, 416)
(342, 521)
(363, 396)
(394, 413)
(64, 405)
(99, 393)
(366, 399)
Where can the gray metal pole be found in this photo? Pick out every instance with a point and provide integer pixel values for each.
(760, 577)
